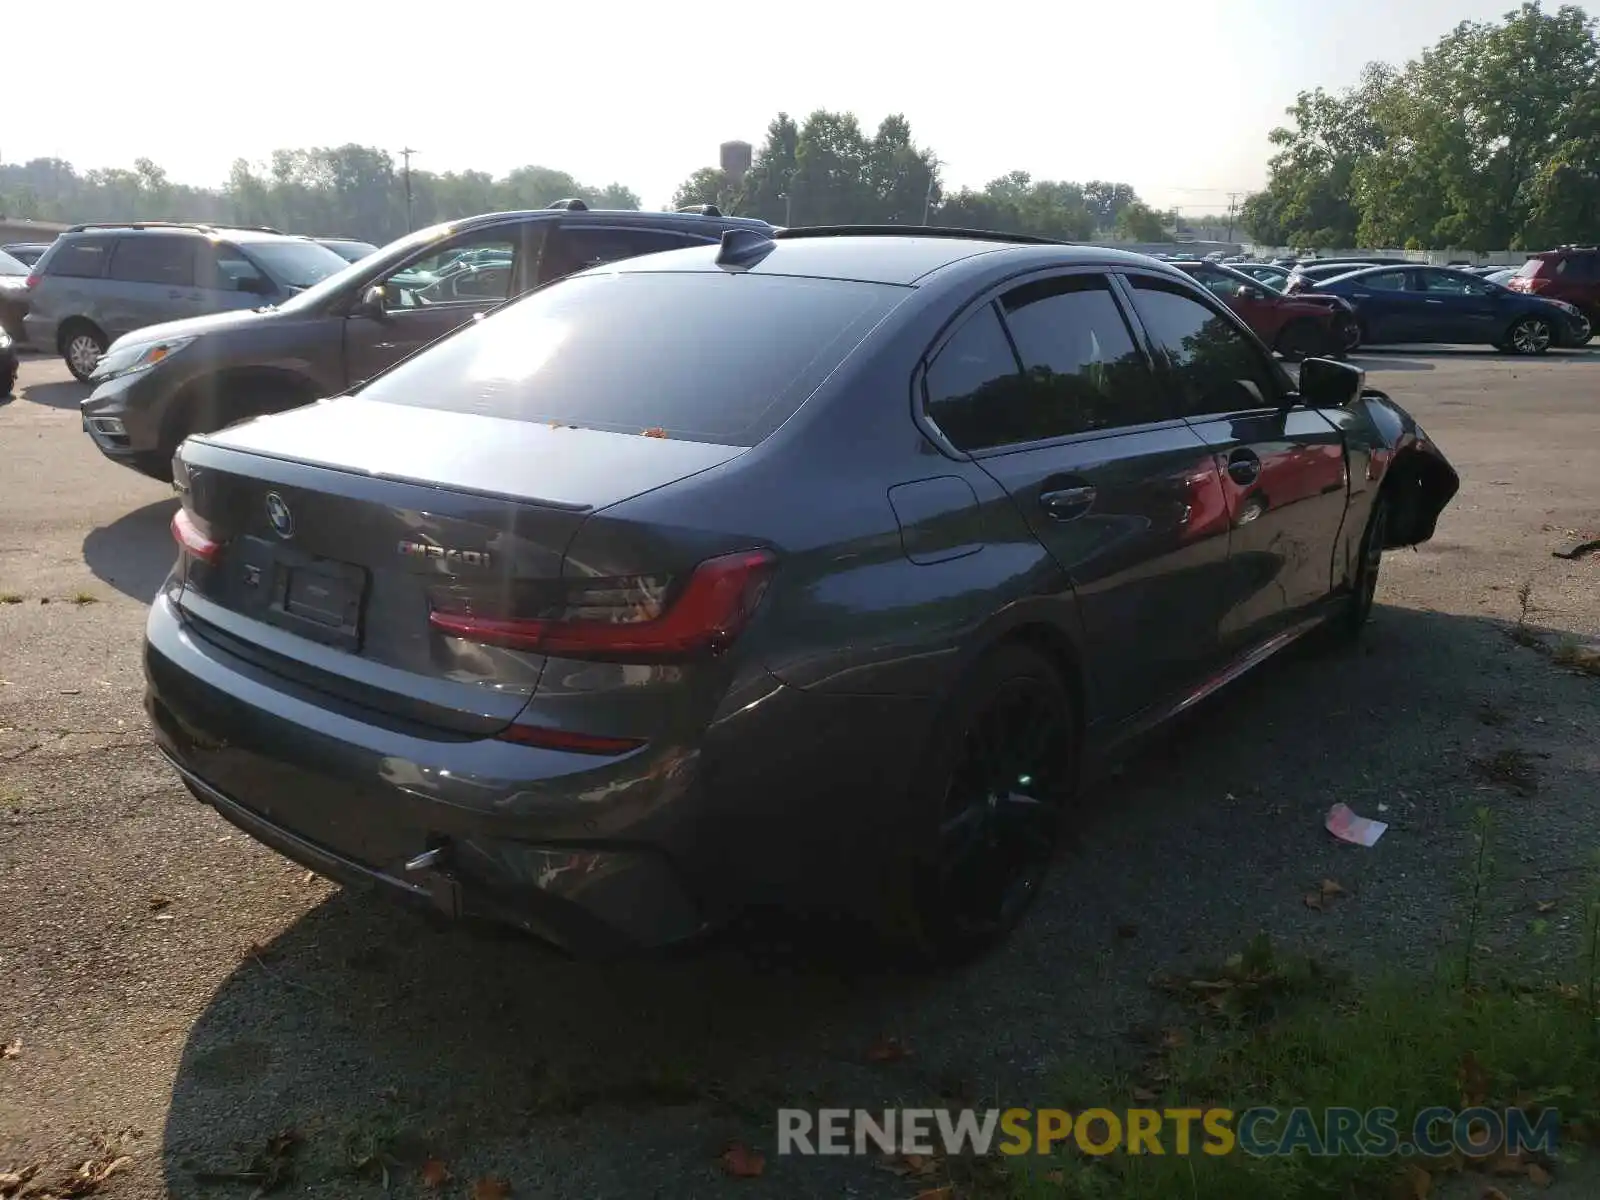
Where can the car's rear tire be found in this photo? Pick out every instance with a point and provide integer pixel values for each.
(1528, 335)
(81, 344)
(987, 806)
(1304, 339)
(1364, 589)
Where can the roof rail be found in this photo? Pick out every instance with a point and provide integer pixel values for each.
(571, 204)
(705, 210)
(203, 226)
(940, 231)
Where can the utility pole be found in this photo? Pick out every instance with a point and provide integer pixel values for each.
(1233, 200)
(406, 154)
(933, 178)
(788, 208)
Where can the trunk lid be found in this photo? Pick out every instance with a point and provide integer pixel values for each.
(335, 529)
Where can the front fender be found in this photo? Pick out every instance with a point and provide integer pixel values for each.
(1408, 469)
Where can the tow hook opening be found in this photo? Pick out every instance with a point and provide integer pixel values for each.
(432, 870)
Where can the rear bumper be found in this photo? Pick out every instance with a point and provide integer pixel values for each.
(787, 798)
(359, 802)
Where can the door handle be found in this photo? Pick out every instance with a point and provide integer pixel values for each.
(1244, 467)
(1433, 301)
(1068, 503)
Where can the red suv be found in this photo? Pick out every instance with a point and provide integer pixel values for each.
(1571, 273)
(1296, 326)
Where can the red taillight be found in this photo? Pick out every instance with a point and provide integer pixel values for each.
(187, 534)
(621, 619)
(562, 739)
(31, 281)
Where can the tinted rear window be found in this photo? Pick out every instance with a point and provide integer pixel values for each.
(705, 357)
(79, 258)
(1534, 266)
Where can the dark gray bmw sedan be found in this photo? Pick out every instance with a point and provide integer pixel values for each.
(817, 568)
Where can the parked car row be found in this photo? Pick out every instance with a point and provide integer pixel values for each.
(1553, 300)
(731, 564)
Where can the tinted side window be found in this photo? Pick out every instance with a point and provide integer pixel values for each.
(1081, 370)
(576, 248)
(974, 374)
(1215, 367)
(1384, 281)
(80, 258)
(152, 258)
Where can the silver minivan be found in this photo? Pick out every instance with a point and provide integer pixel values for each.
(98, 282)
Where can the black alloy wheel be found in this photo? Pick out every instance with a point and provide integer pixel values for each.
(999, 779)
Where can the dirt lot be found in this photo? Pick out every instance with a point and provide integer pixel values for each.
(185, 995)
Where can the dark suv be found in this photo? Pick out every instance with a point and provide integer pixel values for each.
(1571, 273)
(98, 282)
(155, 387)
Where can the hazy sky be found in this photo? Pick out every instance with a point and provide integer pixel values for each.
(1174, 97)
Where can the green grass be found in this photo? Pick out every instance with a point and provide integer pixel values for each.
(85, 598)
(1397, 1043)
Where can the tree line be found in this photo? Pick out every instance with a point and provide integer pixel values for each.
(1489, 140)
(824, 170)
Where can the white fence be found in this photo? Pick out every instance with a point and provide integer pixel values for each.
(1435, 258)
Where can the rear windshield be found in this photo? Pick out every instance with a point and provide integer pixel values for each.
(1530, 268)
(702, 356)
(11, 266)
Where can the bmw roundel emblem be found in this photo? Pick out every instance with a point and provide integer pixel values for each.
(278, 514)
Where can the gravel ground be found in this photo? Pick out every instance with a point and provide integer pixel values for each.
(183, 995)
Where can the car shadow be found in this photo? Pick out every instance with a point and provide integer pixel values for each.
(1388, 362)
(361, 1024)
(1393, 353)
(134, 553)
(63, 393)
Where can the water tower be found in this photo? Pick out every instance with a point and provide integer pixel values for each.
(735, 160)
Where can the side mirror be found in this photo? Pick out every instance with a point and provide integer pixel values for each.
(1328, 383)
(1251, 293)
(372, 304)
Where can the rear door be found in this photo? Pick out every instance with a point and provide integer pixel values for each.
(1046, 388)
(432, 294)
(575, 247)
(1388, 306)
(1282, 468)
(151, 279)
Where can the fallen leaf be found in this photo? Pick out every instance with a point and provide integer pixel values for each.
(1492, 1193)
(939, 1193)
(1210, 985)
(1173, 1039)
(1331, 888)
(10, 1181)
(655, 431)
(742, 1162)
(12, 1049)
(157, 903)
(491, 1188)
(1545, 906)
(1418, 1183)
(1056, 1177)
(887, 1050)
(1507, 1164)
(1144, 1095)
(1538, 1176)
(434, 1173)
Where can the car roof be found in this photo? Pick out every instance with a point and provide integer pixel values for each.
(900, 259)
